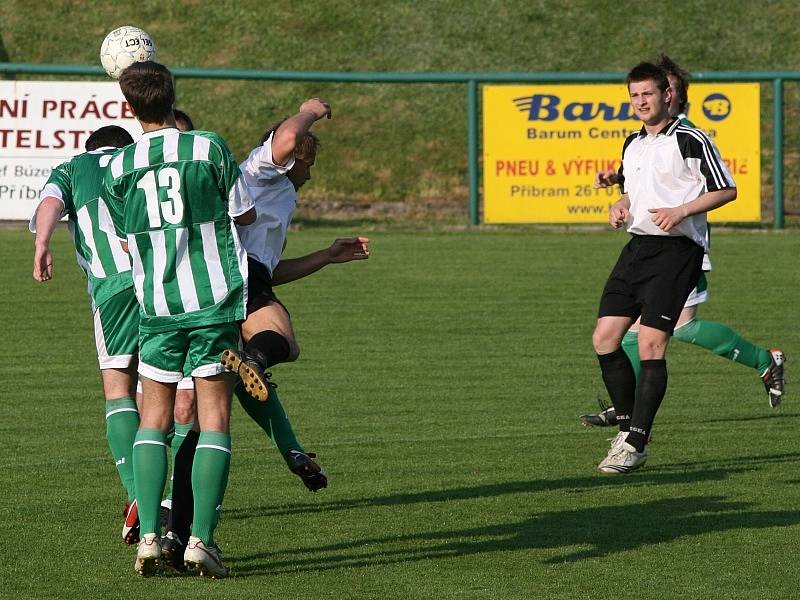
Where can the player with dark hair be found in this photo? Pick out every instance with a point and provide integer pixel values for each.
(671, 176)
(713, 336)
(182, 120)
(174, 196)
(678, 84)
(110, 136)
(184, 410)
(74, 190)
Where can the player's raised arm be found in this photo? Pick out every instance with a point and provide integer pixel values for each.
(292, 130)
(340, 251)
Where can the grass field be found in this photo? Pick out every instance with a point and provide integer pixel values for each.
(440, 384)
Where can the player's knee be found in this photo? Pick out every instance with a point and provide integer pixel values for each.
(184, 413)
(184, 408)
(603, 343)
(652, 349)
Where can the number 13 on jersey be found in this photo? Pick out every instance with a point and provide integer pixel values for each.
(169, 184)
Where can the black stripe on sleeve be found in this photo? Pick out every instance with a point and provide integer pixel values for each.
(694, 143)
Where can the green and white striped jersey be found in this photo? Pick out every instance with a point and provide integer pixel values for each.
(172, 195)
(78, 184)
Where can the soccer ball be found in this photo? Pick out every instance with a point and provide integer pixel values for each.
(125, 46)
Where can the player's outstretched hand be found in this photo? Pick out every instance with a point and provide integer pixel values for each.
(604, 179)
(347, 249)
(618, 214)
(42, 263)
(319, 108)
(667, 218)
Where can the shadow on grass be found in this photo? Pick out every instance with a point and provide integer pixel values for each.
(594, 531)
(767, 417)
(736, 463)
(569, 485)
(674, 473)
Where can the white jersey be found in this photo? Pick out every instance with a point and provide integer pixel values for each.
(670, 169)
(275, 200)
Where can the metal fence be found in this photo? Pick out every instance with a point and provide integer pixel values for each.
(472, 82)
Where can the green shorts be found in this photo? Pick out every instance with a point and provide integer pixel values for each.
(116, 330)
(169, 356)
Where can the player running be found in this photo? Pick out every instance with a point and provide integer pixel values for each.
(715, 337)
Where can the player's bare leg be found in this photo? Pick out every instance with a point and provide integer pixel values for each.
(272, 317)
(269, 339)
(183, 421)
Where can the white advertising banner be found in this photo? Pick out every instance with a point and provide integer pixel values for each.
(44, 123)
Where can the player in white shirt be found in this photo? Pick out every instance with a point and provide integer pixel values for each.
(273, 172)
(711, 335)
(671, 176)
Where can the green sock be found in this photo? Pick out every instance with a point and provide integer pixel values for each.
(212, 461)
(271, 417)
(122, 423)
(179, 434)
(724, 341)
(630, 345)
(150, 471)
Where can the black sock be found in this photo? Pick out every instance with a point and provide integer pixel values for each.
(649, 394)
(180, 517)
(268, 347)
(620, 382)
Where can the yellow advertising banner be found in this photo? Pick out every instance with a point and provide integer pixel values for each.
(543, 144)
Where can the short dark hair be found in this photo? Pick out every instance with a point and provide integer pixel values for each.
(182, 116)
(306, 148)
(648, 71)
(148, 88)
(110, 135)
(680, 75)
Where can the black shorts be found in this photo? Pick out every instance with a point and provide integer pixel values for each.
(652, 279)
(259, 287)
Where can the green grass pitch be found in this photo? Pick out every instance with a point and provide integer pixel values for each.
(440, 383)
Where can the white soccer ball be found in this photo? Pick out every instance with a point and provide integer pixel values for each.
(125, 46)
